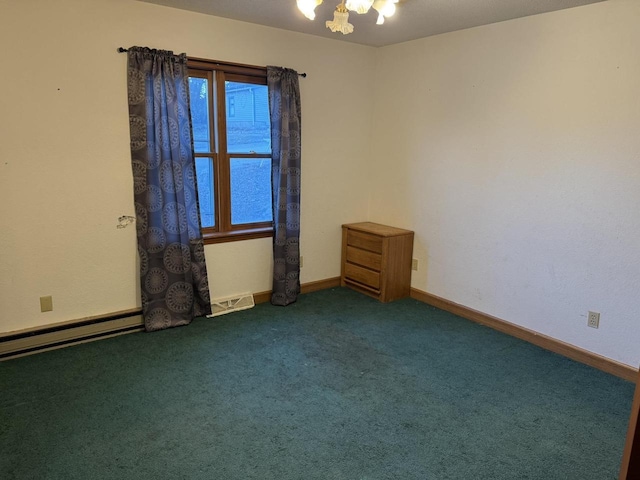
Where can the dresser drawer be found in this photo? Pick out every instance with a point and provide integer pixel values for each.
(365, 241)
(362, 275)
(365, 258)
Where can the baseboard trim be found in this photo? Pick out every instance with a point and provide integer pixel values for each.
(59, 335)
(264, 297)
(320, 285)
(548, 343)
(35, 340)
(51, 337)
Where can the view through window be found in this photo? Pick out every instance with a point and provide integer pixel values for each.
(232, 143)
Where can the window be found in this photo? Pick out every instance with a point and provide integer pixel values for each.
(232, 143)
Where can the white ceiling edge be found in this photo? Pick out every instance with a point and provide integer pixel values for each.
(413, 19)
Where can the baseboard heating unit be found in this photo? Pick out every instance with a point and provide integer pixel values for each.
(39, 339)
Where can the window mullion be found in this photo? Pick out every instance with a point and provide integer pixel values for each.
(214, 148)
(224, 192)
(224, 175)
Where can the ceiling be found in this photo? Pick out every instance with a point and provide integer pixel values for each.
(413, 18)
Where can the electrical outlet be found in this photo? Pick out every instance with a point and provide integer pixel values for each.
(414, 264)
(46, 303)
(593, 320)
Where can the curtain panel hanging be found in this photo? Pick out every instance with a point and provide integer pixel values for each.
(173, 273)
(284, 107)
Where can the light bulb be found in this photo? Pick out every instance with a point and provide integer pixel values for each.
(359, 6)
(307, 7)
(385, 8)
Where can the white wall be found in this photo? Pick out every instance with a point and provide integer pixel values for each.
(513, 152)
(511, 149)
(65, 174)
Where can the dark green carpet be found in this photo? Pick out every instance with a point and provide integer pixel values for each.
(336, 386)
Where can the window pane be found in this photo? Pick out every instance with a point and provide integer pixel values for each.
(248, 126)
(199, 98)
(204, 175)
(250, 190)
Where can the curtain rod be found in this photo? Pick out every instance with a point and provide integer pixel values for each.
(123, 50)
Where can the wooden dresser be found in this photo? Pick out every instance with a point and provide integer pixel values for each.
(376, 260)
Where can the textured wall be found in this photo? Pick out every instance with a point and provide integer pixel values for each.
(65, 174)
(512, 150)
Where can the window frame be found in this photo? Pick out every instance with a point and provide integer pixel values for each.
(217, 73)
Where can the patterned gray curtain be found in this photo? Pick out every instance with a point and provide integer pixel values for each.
(173, 274)
(284, 107)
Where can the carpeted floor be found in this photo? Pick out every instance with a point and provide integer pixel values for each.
(336, 386)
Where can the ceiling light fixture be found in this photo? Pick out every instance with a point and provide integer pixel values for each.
(340, 22)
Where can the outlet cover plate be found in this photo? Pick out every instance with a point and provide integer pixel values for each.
(46, 303)
(593, 320)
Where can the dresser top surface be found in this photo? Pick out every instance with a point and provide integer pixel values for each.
(377, 229)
